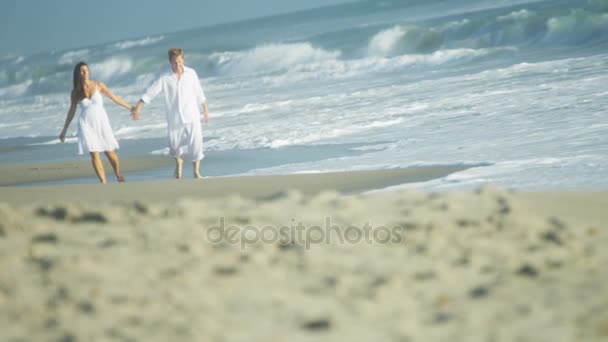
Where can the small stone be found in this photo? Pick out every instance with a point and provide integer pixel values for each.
(91, 217)
(45, 238)
(321, 324)
(330, 281)
(288, 246)
(527, 271)
(183, 248)
(378, 281)
(106, 243)
(86, 307)
(274, 197)
(557, 223)
(168, 273)
(67, 337)
(226, 270)
(504, 206)
(552, 237)
(140, 207)
(426, 275)
(554, 264)
(244, 258)
(51, 323)
(58, 213)
(407, 225)
(442, 317)
(45, 264)
(61, 293)
(478, 292)
(242, 220)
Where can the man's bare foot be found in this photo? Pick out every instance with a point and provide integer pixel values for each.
(178, 168)
(120, 178)
(196, 169)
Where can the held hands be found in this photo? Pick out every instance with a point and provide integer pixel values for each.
(135, 112)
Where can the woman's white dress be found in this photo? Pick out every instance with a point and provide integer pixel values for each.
(94, 130)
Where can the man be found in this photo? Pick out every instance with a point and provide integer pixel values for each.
(184, 98)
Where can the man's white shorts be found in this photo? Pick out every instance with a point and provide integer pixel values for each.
(189, 135)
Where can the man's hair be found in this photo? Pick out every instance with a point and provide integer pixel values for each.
(175, 52)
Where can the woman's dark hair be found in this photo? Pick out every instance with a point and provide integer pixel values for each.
(78, 90)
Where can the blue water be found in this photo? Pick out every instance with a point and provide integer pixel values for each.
(517, 89)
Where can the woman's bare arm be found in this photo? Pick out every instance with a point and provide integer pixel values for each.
(69, 117)
(117, 99)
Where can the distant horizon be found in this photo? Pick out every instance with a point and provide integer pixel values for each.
(13, 45)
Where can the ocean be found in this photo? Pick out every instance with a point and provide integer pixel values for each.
(517, 90)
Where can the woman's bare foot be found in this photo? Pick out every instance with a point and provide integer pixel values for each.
(178, 168)
(197, 175)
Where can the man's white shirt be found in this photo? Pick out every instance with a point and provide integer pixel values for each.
(183, 97)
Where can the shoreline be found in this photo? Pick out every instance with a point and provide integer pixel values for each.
(259, 186)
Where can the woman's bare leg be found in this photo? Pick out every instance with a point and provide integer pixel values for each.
(113, 158)
(98, 167)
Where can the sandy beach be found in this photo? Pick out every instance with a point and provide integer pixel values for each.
(299, 258)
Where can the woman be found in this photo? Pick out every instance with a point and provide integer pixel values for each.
(94, 130)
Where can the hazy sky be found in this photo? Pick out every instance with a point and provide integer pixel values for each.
(37, 25)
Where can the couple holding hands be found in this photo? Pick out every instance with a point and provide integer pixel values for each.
(184, 98)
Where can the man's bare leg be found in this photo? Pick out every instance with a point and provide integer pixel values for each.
(98, 167)
(196, 169)
(113, 158)
(178, 167)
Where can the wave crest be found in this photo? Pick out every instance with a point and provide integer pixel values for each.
(124, 45)
(270, 58)
(111, 69)
(579, 26)
(72, 57)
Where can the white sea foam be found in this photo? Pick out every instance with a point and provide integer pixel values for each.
(453, 25)
(161, 152)
(383, 43)
(516, 15)
(16, 90)
(577, 25)
(138, 130)
(141, 42)
(18, 60)
(111, 68)
(271, 58)
(72, 139)
(72, 57)
(296, 138)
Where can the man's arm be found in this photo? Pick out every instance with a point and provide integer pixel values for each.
(206, 111)
(200, 97)
(151, 92)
